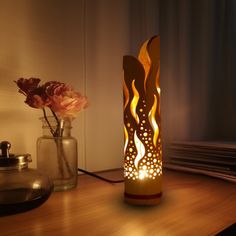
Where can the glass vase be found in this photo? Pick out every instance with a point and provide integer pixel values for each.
(57, 153)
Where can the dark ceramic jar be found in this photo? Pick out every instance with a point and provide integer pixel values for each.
(21, 188)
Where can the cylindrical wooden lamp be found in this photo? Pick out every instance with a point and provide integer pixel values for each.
(142, 148)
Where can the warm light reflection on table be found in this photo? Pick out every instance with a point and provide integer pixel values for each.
(191, 205)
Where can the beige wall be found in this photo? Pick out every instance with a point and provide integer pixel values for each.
(78, 42)
(107, 41)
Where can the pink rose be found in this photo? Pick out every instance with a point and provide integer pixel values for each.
(27, 85)
(65, 102)
(35, 94)
(37, 98)
(57, 96)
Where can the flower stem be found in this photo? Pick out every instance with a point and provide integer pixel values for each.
(49, 125)
(62, 157)
(60, 125)
(67, 163)
(57, 135)
(59, 153)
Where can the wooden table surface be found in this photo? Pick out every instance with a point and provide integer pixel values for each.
(191, 205)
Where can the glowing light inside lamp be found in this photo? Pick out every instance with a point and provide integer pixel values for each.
(138, 156)
(142, 152)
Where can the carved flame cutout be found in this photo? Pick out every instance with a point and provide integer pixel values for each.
(145, 60)
(142, 113)
(126, 94)
(153, 122)
(126, 138)
(140, 150)
(134, 102)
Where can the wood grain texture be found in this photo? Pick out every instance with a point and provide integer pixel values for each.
(191, 205)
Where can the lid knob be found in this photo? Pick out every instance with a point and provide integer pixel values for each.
(5, 147)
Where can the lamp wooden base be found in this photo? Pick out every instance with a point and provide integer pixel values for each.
(143, 192)
(145, 200)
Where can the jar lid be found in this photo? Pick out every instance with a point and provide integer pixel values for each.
(8, 159)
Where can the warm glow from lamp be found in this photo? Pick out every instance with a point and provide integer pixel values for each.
(142, 148)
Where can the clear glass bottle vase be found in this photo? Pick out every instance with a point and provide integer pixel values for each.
(57, 153)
